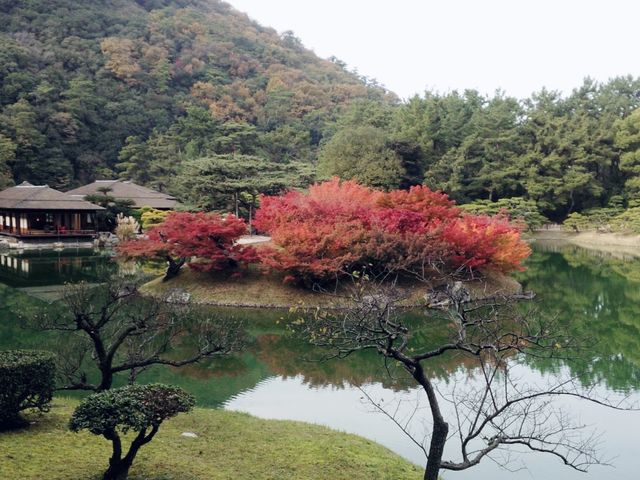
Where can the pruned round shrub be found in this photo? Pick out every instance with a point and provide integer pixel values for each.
(134, 407)
(27, 380)
(140, 408)
(151, 216)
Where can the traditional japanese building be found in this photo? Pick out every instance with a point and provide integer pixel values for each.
(125, 190)
(37, 211)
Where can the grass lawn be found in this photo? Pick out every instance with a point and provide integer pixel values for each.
(229, 446)
(261, 290)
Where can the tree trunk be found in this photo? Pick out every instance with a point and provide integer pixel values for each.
(106, 380)
(251, 207)
(440, 427)
(572, 203)
(173, 268)
(118, 470)
(119, 466)
(436, 449)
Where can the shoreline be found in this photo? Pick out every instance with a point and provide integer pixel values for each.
(615, 244)
(267, 291)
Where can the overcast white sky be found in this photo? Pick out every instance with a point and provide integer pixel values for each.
(517, 45)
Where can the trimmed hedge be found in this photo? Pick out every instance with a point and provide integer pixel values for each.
(607, 220)
(151, 216)
(134, 407)
(27, 380)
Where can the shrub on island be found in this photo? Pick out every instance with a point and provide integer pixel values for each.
(339, 227)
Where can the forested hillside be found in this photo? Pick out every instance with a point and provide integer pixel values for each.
(135, 87)
(192, 97)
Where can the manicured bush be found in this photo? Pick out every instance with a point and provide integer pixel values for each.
(577, 222)
(151, 216)
(606, 220)
(627, 221)
(27, 380)
(137, 408)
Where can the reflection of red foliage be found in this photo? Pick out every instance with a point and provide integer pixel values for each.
(207, 238)
(342, 226)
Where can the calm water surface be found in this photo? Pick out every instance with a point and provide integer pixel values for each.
(594, 294)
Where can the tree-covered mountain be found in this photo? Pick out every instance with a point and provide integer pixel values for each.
(135, 87)
(177, 94)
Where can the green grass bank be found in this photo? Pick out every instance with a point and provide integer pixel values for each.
(229, 446)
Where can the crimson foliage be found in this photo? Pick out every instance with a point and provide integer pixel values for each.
(339, 227)
(206, 241)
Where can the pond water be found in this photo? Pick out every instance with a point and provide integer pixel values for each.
(596, 295)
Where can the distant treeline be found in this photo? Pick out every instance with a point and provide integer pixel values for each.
(566, 153)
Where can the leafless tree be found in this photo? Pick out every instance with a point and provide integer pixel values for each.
(503, 409)
(116, 329)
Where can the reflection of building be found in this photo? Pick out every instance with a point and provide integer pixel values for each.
(37, 211)
(43, 274)
(19, 266)
(124, 190)
(33, 268)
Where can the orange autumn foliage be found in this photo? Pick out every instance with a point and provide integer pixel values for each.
(340, 226)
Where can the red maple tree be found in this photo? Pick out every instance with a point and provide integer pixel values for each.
(204, 241)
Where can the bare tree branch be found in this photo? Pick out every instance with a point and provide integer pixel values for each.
(124, 331)
(500, 412)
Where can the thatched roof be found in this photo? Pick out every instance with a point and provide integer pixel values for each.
(125, 190)
(41, 197)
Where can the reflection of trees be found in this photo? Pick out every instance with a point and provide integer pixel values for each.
(46, 268)
(213, 384)
(213, 368)
(16, 308)
(499, 408)
(290, 357)
(596, 297)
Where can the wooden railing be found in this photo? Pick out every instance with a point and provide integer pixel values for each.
(45, 233)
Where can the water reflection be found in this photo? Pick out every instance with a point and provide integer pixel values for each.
(595, 296)
(32, 268)
(347, 409)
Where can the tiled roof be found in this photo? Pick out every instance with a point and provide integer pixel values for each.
(41, 197)
(125, 190)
